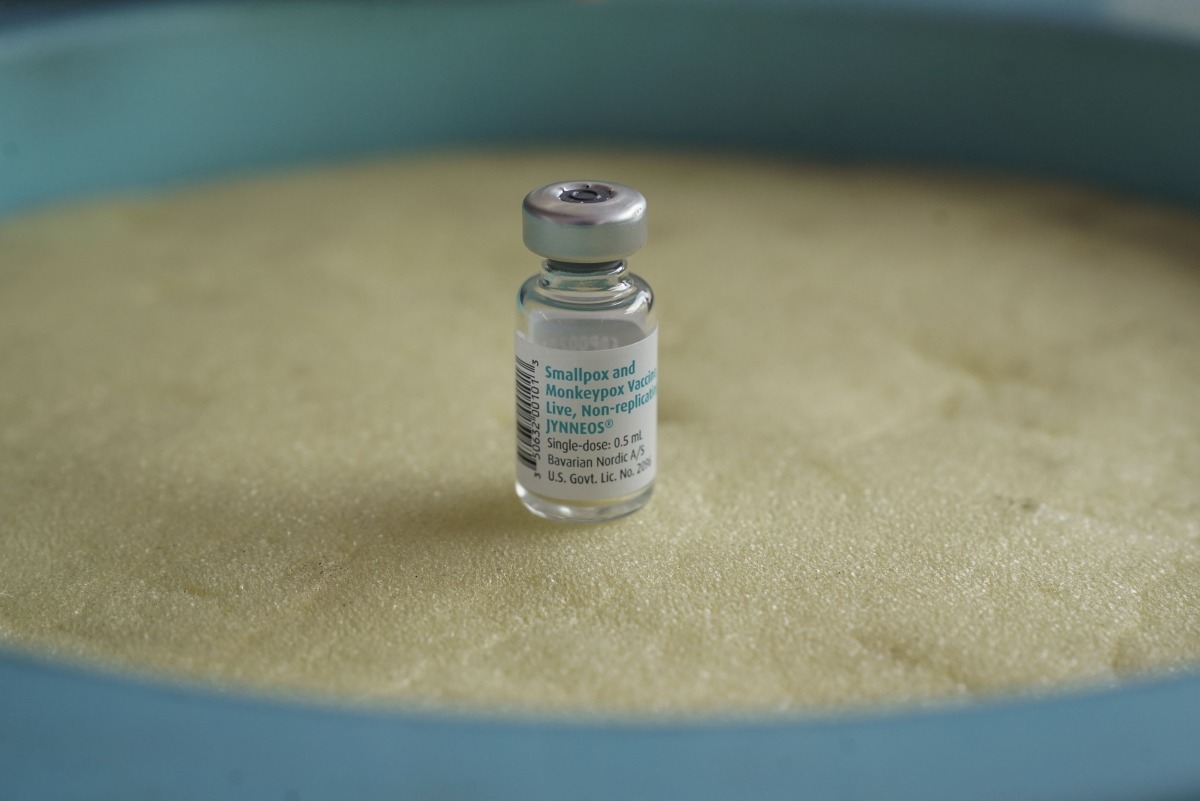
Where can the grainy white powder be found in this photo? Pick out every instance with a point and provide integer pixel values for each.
(921, 437)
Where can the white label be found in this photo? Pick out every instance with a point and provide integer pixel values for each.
(586, 419)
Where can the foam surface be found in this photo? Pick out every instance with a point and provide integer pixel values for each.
(921, 437)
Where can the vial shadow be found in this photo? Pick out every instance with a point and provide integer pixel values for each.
(480, 514)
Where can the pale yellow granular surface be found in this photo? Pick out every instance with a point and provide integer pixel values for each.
(921, 437)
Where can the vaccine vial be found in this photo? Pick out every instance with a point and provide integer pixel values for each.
(586, 356)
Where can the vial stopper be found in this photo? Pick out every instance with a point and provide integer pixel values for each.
(584, 221)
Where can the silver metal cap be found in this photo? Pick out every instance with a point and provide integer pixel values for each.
(584, 221)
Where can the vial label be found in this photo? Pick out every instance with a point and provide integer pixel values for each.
(586, 419)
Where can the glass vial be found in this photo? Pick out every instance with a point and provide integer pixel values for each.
(586, 356)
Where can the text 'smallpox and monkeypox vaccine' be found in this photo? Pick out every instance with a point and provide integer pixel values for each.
(586, 356)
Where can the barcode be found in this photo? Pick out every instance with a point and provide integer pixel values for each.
(528, 410)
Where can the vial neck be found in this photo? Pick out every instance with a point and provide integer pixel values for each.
(603, 277)
(574, 285)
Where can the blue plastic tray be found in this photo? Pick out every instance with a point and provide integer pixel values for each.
(1104, 93)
